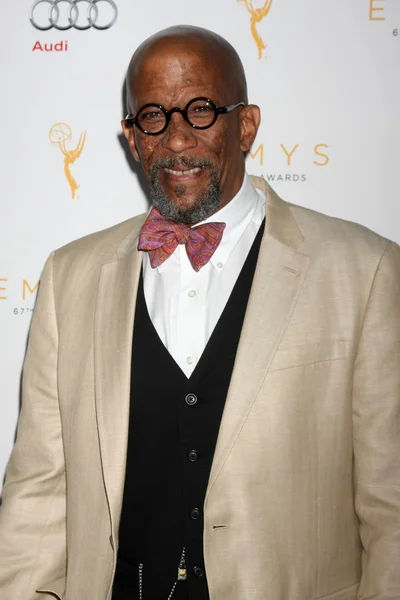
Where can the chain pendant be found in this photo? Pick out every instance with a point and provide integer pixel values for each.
(182, 575)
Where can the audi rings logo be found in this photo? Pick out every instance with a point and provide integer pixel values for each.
(74, 15)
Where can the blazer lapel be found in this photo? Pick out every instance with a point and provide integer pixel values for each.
(277, 283)
(112, 354)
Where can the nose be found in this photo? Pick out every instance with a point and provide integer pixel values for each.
(179, 136)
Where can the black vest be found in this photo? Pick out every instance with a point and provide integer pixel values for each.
(173, 429)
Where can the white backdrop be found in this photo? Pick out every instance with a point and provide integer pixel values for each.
(328, 83)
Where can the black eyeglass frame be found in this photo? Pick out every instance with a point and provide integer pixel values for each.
(218, 110)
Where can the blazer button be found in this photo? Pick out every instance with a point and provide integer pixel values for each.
(198, 571)
(195, 514)
(191, 399)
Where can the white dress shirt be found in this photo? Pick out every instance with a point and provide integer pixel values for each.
(184, 306)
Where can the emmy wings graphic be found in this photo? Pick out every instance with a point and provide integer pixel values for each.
(60, 134)
(256, 16)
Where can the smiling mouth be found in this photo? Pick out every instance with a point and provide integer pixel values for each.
(182, 173)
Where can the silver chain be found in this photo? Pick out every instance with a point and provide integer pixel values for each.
(181, 566)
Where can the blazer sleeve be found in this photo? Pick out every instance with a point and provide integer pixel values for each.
(32, 516)
(376, 433)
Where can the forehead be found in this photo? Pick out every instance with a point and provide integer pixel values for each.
(172, 73)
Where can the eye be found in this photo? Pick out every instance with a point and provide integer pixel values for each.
(202, 108)
(201, 113)
(151, 114)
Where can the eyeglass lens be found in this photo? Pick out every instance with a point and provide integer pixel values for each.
(199, 113)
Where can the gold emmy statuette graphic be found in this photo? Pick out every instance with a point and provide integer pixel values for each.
(256, 16)
(60, 134)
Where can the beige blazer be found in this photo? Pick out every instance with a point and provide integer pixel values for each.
(303, 501)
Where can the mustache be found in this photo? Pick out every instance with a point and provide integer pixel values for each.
(170, 162)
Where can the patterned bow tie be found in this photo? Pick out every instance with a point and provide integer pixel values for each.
(160, 238)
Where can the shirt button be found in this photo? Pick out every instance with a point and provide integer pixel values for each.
(220, 265)
(192, 294)
(189, 360)
(198, 571)
(193, 456)
(195, 514)
(191, 399)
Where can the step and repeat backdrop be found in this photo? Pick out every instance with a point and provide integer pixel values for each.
(325, 74)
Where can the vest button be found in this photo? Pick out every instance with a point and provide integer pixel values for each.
(195, 514)
(198, 571)
(193, 456)
(191, 399)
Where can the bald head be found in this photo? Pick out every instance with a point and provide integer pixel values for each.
(212, 49)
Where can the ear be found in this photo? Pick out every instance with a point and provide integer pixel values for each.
(129, 133)
(250, 119)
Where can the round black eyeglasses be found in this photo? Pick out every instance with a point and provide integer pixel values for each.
(200, 113)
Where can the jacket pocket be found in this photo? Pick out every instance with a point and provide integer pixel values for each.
(55, 589)
(308, 354)
(349, 593)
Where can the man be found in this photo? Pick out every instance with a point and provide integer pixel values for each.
(211, 394)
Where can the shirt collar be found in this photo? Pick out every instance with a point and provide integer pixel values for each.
(237, 215)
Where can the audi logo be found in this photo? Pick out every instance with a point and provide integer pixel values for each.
(74, 15)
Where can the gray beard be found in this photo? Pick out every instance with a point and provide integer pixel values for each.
(206, 203)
